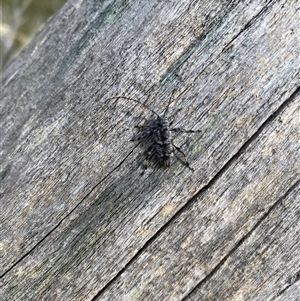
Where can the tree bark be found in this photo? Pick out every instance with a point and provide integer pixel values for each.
(80, 220)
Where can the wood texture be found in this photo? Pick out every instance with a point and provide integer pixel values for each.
(79, 222)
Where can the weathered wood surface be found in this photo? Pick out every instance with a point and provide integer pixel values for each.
(78, 222)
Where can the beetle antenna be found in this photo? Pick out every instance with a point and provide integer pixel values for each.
(136, 100)
(169, 102)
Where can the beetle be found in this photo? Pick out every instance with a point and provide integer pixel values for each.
(156, 136)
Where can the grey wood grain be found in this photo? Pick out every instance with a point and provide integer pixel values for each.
(79, 222)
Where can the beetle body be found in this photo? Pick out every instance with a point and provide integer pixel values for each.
(162, 142)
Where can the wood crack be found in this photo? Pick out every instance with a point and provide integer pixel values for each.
(195, 43)
(293, 280)
(61, 221)
(249, 24)
(243, 239)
